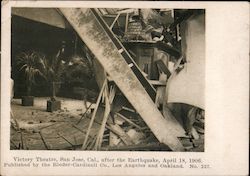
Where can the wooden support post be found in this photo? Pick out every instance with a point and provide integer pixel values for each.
(93, 115)
(105, 118)
(126, 24)
(116, 18)
(92, 143)
(21, 139)
(109, 96)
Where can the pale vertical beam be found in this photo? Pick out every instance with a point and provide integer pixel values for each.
(126, 24)
(93, 116)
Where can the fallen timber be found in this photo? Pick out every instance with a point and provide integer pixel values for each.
(102, 42)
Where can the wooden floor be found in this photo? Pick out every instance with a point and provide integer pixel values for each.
(35, 129)
(40, 130)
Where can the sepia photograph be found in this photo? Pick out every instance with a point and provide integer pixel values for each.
(107, 79)
(126, 88)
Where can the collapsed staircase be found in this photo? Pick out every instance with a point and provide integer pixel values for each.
(122, 69)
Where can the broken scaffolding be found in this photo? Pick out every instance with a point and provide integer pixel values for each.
(126, 114)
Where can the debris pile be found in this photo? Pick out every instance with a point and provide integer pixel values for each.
(133, 71)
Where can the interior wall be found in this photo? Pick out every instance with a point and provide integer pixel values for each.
(188, 86)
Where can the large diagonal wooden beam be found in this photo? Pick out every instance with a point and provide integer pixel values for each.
(91, 31)
(138, 73)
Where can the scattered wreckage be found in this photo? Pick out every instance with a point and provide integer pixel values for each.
(142, 103)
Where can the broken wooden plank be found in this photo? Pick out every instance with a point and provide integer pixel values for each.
(104, 45)
(128, 109)
(121, 133)
(114, 140)
(112, 25)
(90, 146)
(65, 139)
(161, 66)
(129, 121)
(42, 137)
(157, 83)
(116, 129)
(168, 49)
(105, 118)
(13, 143)
(93, 115)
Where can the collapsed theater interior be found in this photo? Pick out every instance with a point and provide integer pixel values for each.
(108, 79)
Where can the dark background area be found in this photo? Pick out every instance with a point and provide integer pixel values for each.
(29, 35)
